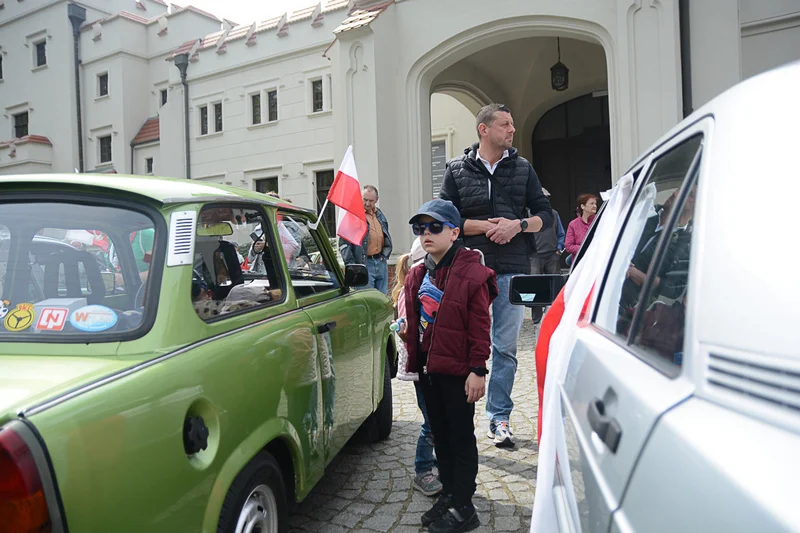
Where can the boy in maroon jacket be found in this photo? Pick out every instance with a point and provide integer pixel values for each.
(447, 331)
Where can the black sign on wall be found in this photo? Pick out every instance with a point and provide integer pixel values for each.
(438, 162)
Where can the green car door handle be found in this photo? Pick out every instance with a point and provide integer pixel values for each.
(326, 327)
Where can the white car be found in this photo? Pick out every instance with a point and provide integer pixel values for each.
(680, 403)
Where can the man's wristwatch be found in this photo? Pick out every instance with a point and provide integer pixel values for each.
(479, 371)
(523, 224)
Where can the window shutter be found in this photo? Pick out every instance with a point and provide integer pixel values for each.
(181, 238)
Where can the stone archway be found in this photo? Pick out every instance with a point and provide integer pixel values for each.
(421, 81)
(470, 96)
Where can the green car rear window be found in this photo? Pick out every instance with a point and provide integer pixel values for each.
(74, 272)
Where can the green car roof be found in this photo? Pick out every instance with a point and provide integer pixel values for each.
(162, 190)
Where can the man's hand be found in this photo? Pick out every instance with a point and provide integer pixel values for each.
(258, 247)
(475, 387)
(504, 230)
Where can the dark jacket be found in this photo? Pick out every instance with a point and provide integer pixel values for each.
(461, 337)
(550, 239)
(354, 255)
(466, 184)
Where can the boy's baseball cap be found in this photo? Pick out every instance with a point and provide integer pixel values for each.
(441, 210)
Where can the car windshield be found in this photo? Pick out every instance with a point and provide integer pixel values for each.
(72, 271)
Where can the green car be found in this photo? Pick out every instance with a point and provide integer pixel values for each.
(175, 356)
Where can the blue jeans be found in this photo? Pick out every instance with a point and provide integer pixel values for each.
(506, 323)
(378, 275)
(424, 461)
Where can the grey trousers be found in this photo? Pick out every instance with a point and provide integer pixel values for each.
(544, 264)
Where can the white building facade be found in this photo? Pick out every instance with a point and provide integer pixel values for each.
(272, 105)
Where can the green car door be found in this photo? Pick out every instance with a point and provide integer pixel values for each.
(342, 324)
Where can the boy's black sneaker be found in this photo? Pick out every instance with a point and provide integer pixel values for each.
(437, 511)
(456, 521)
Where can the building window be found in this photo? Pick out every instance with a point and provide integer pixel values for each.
(272, 105)
(255, 103)
(41, 54)
(163, 96)
(102, 84)
(1, 67)
(316, 96)
(105, 149)
(204, 120)
(218, 117)
(148, 165)
(324, 180)
(266, 185)
(21, 124)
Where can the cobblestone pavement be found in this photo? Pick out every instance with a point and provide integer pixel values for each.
(368, 487)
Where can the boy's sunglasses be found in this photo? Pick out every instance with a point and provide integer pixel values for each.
(434, 227)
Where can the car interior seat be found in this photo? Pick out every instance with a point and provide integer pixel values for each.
(71, 261)
(225, 258)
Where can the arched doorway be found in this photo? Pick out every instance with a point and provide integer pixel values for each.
(571, 151)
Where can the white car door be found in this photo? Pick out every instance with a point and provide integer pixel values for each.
(617, 386)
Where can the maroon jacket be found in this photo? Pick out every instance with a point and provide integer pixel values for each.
(461, 336)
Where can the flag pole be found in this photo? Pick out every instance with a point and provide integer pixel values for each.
(315, 225)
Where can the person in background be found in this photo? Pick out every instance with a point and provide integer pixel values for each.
(586, 210)
(449, 293)
(549, 247)
(425, 480)
(376, 247)
(501, 203)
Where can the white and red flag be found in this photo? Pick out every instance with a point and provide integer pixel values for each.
(345, 193)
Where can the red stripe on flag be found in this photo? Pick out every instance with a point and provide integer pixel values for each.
(345, 193)
(352, 229)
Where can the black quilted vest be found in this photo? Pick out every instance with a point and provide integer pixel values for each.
(472, 180)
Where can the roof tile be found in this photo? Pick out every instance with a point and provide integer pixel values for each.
(36, 139)
(149, 132)
(362, 17)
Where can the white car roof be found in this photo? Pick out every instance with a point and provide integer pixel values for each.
(746, 246)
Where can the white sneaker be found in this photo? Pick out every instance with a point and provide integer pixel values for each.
(501, 433)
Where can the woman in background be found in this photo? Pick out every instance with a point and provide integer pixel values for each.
(576, 232)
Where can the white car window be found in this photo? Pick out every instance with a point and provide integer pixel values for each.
(653, 251)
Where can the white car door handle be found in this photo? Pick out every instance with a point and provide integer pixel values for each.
(607, 428)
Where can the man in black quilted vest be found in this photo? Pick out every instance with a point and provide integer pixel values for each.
(501, 204)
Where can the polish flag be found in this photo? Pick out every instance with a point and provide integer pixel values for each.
(351, 223)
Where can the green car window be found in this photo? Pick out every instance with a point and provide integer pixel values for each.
(310, 272)
(69, 271)
(234, 264)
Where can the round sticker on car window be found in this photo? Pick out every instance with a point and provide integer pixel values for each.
(93, 318)
(20, 318)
